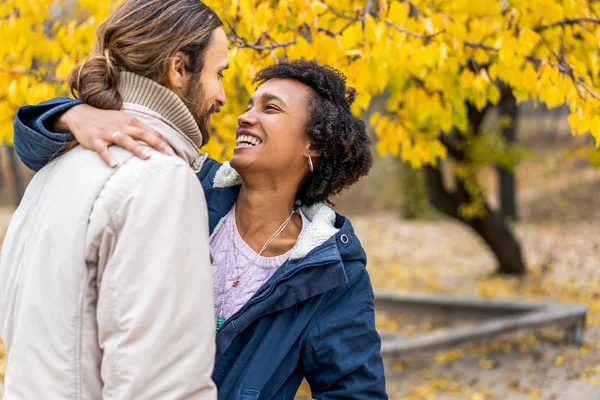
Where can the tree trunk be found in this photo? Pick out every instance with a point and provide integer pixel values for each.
(492, 228)
(507, 190)
(414, 205)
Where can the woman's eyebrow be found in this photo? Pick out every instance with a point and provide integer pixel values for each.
(268, 96)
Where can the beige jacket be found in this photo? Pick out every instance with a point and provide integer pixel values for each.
(106, 280)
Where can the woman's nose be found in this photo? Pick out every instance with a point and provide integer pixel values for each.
(247, 119)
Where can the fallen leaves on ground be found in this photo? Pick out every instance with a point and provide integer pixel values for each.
(444, 257)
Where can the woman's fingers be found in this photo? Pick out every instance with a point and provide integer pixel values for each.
(135, 130)
(122, 140)
(127, 142)
(101, 147)
(90, 124)
(98, 129)
(152, 139)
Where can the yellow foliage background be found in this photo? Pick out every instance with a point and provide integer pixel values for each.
(432, 58)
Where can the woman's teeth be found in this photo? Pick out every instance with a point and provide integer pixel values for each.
(247, 141)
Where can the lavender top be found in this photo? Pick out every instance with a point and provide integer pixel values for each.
(224, 266)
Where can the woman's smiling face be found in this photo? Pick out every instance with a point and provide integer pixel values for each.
(271, 134)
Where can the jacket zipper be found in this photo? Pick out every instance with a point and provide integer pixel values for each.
(270, 291)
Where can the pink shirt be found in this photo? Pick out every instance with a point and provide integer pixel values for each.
(253, 275)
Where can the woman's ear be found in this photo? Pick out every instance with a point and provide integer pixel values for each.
(312, 152)
(312, 156)
(177, 71)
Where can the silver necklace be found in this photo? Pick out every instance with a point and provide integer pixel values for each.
(248, 268)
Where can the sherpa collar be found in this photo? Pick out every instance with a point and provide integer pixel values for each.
(321, 217)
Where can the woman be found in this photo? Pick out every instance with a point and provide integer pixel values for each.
(293, 299)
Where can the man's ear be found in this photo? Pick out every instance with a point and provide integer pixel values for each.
(177, 71)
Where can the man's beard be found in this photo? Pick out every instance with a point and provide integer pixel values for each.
(194, 101)
(203, 121)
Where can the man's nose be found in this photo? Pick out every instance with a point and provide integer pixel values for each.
(221, 98)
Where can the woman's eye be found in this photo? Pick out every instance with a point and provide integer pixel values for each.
(221, 76)
(271, 107)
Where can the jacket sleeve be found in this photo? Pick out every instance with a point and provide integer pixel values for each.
(155, 315)
(34, 143)
(342, 351)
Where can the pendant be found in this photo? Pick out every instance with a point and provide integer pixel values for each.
(220, 322)
(236, 282)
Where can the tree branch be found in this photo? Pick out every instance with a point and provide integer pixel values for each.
(245, 44)
(587, 89)
(412, 34)
(405, 31)
(331, 33)
(339, 14)
(327, 31)
(568, 21)
(561, 65)
(413, 11)
(564, 69)
(348, 25)
(482, 46)
(437, 193)
(451, 147)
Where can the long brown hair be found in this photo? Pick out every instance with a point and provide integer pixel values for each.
(141, 36)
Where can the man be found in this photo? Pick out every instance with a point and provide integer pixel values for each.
(107, 289)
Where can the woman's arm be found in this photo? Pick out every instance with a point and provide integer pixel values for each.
(41, 131)
(35, 144)
(342, 357)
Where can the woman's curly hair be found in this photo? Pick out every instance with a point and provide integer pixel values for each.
(339, 136)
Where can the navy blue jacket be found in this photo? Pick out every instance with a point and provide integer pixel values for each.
(313, 319)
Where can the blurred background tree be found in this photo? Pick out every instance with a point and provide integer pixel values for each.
(429, 75)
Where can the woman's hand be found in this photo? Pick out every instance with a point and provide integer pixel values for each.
(97, 129)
